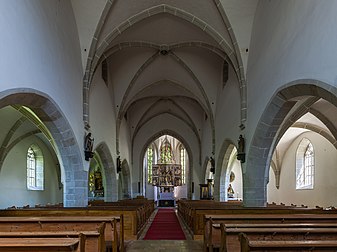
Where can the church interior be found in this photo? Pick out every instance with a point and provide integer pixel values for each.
(173, 102)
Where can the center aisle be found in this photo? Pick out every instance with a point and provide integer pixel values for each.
(165, 226)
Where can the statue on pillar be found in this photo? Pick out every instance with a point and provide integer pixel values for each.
(241, 150)
(88, 146)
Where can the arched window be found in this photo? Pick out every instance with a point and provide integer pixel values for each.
(35, 172)
(166, 154)
(149, 164)
(183, 164)
(305, 165)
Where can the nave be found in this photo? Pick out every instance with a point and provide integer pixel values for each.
(187, 244)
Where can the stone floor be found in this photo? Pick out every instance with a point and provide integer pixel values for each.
(164, 246)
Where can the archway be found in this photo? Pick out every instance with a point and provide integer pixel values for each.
(58, 131)
(124, 190)
(166, 169)
(278, 116)
(111, 186)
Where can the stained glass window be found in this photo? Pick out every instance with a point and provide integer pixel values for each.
(149, 164)
(166, 152)
(183, 163)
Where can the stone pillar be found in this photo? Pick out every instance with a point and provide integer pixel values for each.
(254, 190)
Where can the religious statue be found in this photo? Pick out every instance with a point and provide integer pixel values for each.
(99, 189)
(211, 160)
(241, 149)
(241, 144)
(98, 181)
(88, 146)
(230, 191)
(119, 164)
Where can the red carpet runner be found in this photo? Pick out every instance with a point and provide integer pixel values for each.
(165, 226)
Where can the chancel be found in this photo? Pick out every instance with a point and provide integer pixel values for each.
(167, 175)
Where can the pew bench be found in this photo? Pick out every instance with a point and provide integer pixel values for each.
(230, 241)
(105, 225)
(43, 244)
(225, 236)
(286, 245)
(94, 240)
(193, 212)
(127, 226)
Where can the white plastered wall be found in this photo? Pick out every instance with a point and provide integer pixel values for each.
(325, 188)
(291, 40)
(42, 52)
(13, 178)
(102, 118)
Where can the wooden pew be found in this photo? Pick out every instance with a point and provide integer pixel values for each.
(94, 240)
(144, 208)
(268, 217)
(43, 244)
(286, 245)
(213, 236)
(130, 226)
(230, 242)
(193, 212)
(79, 213)
(65, 223)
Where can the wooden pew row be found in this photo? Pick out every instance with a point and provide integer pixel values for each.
(227, 237)
(106, 226)
(193, 213)
(133, 223)
(210, 233)
(43, 244)
(144, 206)
(94, 240)
(286, 245)
(129, 227)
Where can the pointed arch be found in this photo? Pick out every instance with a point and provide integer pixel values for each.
(35, 168)
(305, 165)
(187, 148)
(67, 149)
(125, 177)
(268, 133)
(111, 192)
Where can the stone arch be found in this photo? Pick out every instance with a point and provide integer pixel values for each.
(111, 192)
(222, 164)
(268, 133)
(125, 180)
(207, 168)
(67, 149)
(187, 148)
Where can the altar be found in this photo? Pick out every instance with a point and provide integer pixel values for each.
(166, 199)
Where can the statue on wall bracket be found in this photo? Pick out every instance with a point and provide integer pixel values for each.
(212, 161)
(119, 164)
(241, 150)
(88, 145)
